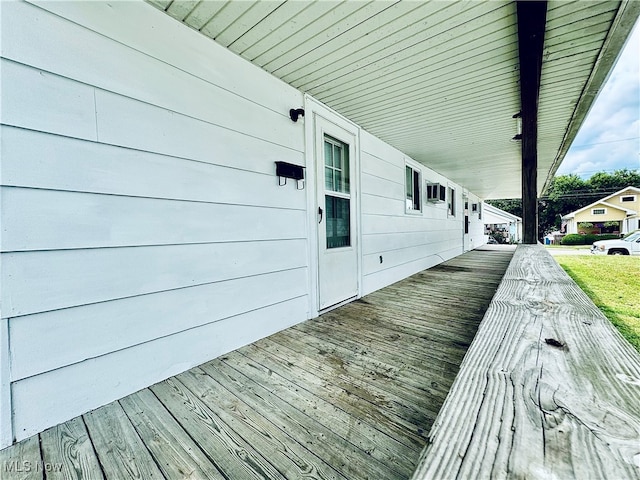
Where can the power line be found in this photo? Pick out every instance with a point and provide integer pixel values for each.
(602, 143)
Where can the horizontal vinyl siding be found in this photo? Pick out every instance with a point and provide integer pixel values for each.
(407, 242)
(144, 231)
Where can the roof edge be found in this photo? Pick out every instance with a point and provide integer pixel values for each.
(603, 201)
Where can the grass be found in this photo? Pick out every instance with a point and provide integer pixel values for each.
(613, 284)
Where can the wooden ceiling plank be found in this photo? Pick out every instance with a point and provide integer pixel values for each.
(423, 47)
(454, 119)
(180, 10)
(252, 18)
(280, 25)
(161, 4)
(333, 23)
(307, 23)
(406, 117)
(419, 62)
(203, 12)
(577, 12)
(349, 39)
(450, 88)
(225, 19)
(426, 73)
(401, 32)
(428, 98)
(596, 25)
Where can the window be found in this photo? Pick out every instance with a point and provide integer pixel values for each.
(628, 198)
(451, 202)
(412, 187)
(598, 211)
(337, 193)
(479, 211)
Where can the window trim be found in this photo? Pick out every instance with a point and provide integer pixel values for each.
(416, 198)
(593, 211)
(451, 201)
(631, 197)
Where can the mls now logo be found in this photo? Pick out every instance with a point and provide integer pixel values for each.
(27, 466)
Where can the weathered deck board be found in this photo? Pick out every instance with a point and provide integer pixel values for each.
(232, 455)
(69, 445)
(177, 454)
(320, 438)
(340, 405)
(121, 452)
(349, 395)
(548, 389)
(292, 458)
(23, 460)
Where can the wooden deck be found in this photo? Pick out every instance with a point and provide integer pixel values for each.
(349, 395)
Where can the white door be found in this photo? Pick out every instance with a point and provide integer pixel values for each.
(336, 158)
(466, 224)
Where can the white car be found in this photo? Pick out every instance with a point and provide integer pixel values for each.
(629, 245)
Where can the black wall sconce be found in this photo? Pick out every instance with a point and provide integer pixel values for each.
(294, 113)
(286, 170)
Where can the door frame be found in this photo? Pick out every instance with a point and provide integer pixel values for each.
(314, 109)
(466, 222)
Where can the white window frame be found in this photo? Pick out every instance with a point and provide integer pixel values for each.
(632, 198)
(451, 201)
(593, 211)
(416, 196)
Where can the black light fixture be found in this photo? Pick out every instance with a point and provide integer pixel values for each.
(294, 113)
(518, 117)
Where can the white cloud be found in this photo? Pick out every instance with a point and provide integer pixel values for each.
(608, 139)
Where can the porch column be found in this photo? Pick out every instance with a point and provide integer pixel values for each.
(531, 27)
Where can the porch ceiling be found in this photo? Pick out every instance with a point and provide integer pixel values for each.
(437, 80)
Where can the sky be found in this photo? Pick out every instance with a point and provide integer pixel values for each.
(609, 138)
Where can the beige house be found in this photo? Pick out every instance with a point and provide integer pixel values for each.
(617, 213)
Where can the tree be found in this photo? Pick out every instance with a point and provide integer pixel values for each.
(616, 181)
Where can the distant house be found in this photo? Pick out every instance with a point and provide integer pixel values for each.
(499, 221)
(616, 213)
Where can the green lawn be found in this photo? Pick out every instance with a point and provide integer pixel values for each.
(613, 284)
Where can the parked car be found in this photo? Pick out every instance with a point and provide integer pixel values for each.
(629, 245)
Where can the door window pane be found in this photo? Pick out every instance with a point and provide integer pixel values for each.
(336, 161)
(338, 222)
(328, 178)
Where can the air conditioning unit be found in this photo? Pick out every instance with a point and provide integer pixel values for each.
(436, 193)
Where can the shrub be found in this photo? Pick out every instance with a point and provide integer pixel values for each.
(573, 239)
(577, 239)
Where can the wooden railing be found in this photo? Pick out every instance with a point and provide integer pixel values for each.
(548, 388)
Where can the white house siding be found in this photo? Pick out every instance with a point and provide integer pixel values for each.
(407, 242)
(143, 228)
